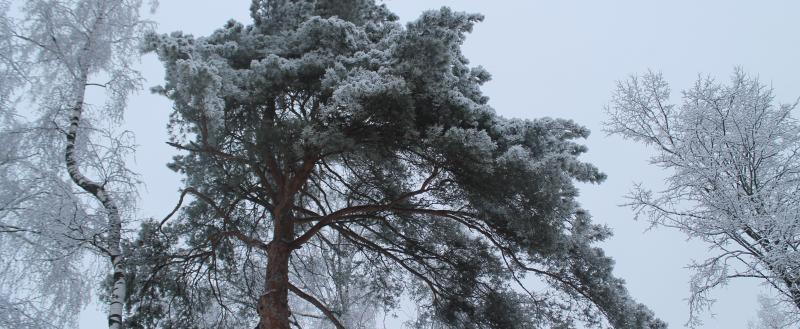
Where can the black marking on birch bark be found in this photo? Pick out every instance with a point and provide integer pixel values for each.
(95, 189)
(99, 192)
(114, 319)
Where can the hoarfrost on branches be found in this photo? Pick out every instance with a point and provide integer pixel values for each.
(734, 161)
(51, 53)
(43, 233)
(773, 315)
(327, 138)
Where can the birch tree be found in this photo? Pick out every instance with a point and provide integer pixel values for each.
(734, 171)
(53, 52)
(42, 284)
(329, 118)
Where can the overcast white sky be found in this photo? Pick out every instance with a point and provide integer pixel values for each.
(560, 59)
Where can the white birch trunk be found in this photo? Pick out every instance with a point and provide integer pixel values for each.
(114, 233)
(114, 219)
(56, 48)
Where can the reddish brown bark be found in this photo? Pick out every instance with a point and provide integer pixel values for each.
(273, 306)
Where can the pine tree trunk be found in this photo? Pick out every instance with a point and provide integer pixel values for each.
(114, 233)
(273, 306)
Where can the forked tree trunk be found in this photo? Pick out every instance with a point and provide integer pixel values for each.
(273, 306)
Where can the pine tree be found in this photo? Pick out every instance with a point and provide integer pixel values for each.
(329, 120)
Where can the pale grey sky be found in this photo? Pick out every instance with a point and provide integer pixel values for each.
(561, 59)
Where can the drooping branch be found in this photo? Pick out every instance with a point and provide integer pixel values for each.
(319, 305)
(364, 210)
(223, 214)
(361, 241)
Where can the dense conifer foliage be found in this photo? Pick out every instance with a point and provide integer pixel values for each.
(326, 129)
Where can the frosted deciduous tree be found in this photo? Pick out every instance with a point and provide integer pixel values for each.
(328, 120)
(42, 236)
(773, 315)
(51, 53)
(734, 176)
